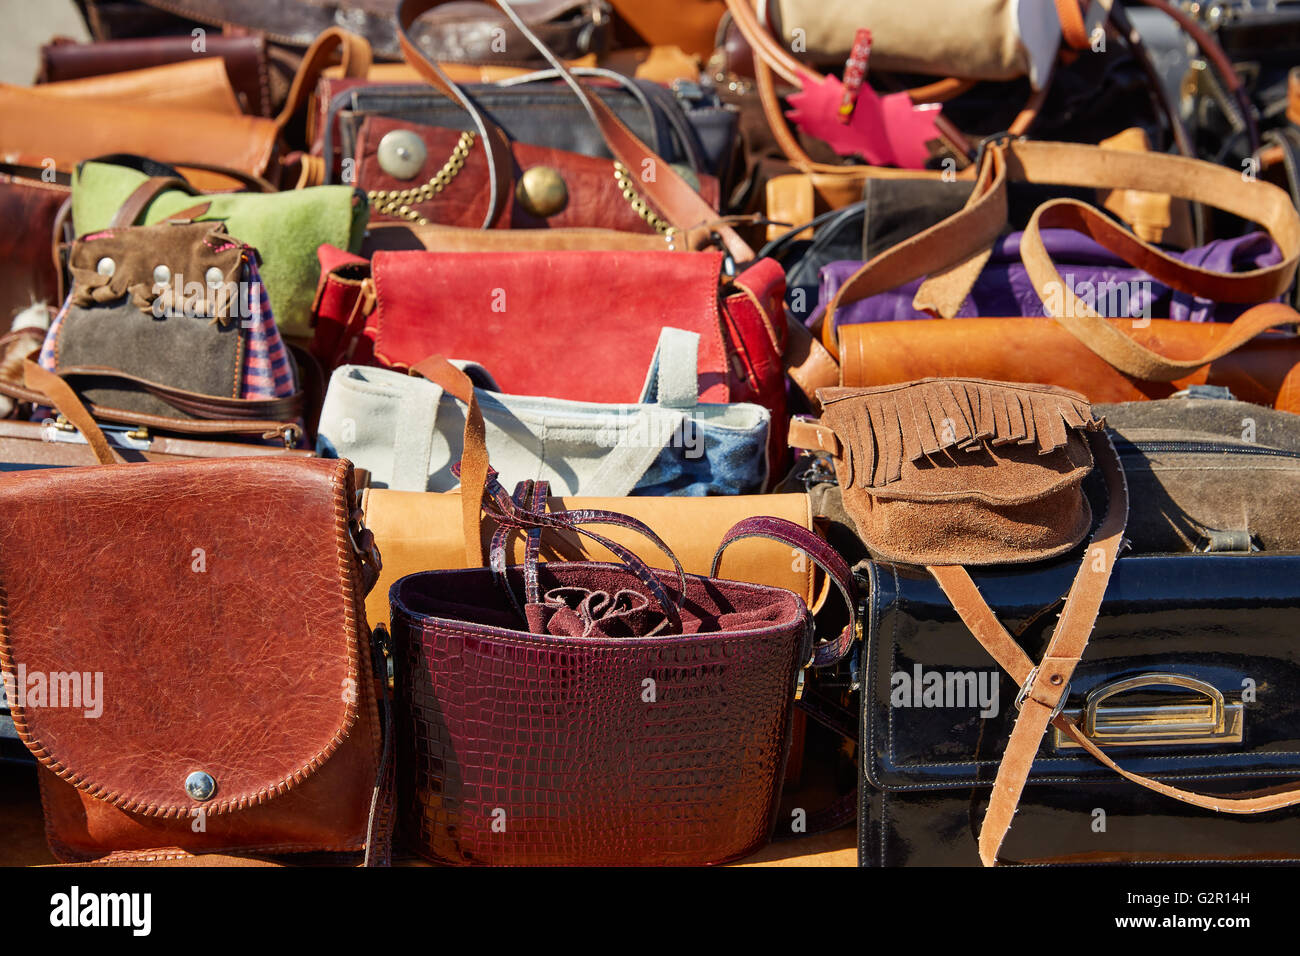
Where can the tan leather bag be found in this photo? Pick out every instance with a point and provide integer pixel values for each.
(202, 86)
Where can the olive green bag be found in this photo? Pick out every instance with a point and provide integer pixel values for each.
(286, 228)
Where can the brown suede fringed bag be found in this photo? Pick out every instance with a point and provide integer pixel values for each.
(962, 471)
(958, 472)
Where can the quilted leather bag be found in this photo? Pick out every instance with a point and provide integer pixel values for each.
(232, 745)
(645, 715)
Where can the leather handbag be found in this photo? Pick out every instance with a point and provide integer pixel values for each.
(216, 782)
(406, 431)
(1207, 473)
(480, 675)
(1186, 680)
(286, 228)
(420, 531)
(144, 295)
(244, 59)
(28, 272)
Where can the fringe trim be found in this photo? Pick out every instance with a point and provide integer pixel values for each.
(882, 428)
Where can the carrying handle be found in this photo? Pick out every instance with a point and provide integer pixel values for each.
(962, 238)
(1107, 339)
(66, 402)
(474, 456)
(528, 511)
(679, 204)
(822, 555)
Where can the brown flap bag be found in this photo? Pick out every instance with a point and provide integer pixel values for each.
(186, 653)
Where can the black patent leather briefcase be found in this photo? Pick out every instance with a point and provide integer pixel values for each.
(1192, 676)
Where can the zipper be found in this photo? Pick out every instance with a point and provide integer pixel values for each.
(1125, 447)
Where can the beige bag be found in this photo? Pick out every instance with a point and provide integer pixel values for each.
(972, 39)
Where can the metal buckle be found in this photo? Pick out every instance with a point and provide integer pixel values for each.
(980, 147)
(1023, 695)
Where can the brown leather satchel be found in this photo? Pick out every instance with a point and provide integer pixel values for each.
(159, 674)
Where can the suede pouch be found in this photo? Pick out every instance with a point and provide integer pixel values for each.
(961, 471)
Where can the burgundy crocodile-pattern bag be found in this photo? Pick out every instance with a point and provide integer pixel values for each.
(619, 715)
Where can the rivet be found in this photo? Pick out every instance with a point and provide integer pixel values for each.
(161, 275)
(214, 275)
(401, 154)
(542, 192)
(200, 786)
(106, 266)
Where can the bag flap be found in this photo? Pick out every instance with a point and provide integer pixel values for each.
(179, 617)
(938, 710)
(589, 321)
(949, 439)
(418, 531)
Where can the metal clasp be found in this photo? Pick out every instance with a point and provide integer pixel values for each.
(1023, 694)
(1203, 717)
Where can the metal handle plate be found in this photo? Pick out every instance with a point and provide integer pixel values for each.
(1200, 717)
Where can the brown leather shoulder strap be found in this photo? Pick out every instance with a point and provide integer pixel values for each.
(130, 212)
(65, 400)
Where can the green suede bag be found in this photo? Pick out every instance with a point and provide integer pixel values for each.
(286, 228)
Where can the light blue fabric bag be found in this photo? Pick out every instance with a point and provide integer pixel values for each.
(407, 433)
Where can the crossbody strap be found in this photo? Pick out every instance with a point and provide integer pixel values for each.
(1044, 687)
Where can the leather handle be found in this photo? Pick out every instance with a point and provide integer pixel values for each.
(970, 231)
(677, 201)
(1108, 340)
(129, 213)
(474, 455)
(817, 551)
(356, 59)
(1043, 686)
(66, 402)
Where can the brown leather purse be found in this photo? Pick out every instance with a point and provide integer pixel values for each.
(231, 744)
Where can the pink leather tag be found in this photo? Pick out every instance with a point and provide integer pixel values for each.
(887, 130)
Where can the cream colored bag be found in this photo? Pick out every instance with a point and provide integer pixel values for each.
(971, 39)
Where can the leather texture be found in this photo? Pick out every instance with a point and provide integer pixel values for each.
(198, 85)
(692, 778)
(421, 531)
(27, 269)
(595, 198)
(1207, 474)
(294, 750)
(475, 305)
(1264, 371)
(32, 445)
(962, 471)
(928, 768)
(89, 128)
(244, 58)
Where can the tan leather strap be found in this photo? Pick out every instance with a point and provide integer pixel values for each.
(356, 55)
(1044, 694)
(971, 230)
(65, 400)
(474, 455)
(1045, 686)
(1108, 339)
(1073, 29)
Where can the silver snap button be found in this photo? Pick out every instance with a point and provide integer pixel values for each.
(161, 275)
(200, 785)
(401, 154)
(106, 266)
(214, 276)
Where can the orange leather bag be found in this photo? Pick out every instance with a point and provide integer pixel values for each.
(1070, 344)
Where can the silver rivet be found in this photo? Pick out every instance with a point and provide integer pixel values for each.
(401, 154)
(200, 785)
(106, 266)
(214, 276)
(161, 275)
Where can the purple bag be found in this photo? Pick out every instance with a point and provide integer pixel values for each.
(1103, 280)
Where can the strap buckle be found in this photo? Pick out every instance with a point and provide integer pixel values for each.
(1023, 695)
(982, 146)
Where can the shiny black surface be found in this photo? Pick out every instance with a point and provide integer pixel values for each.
(1225, 619)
